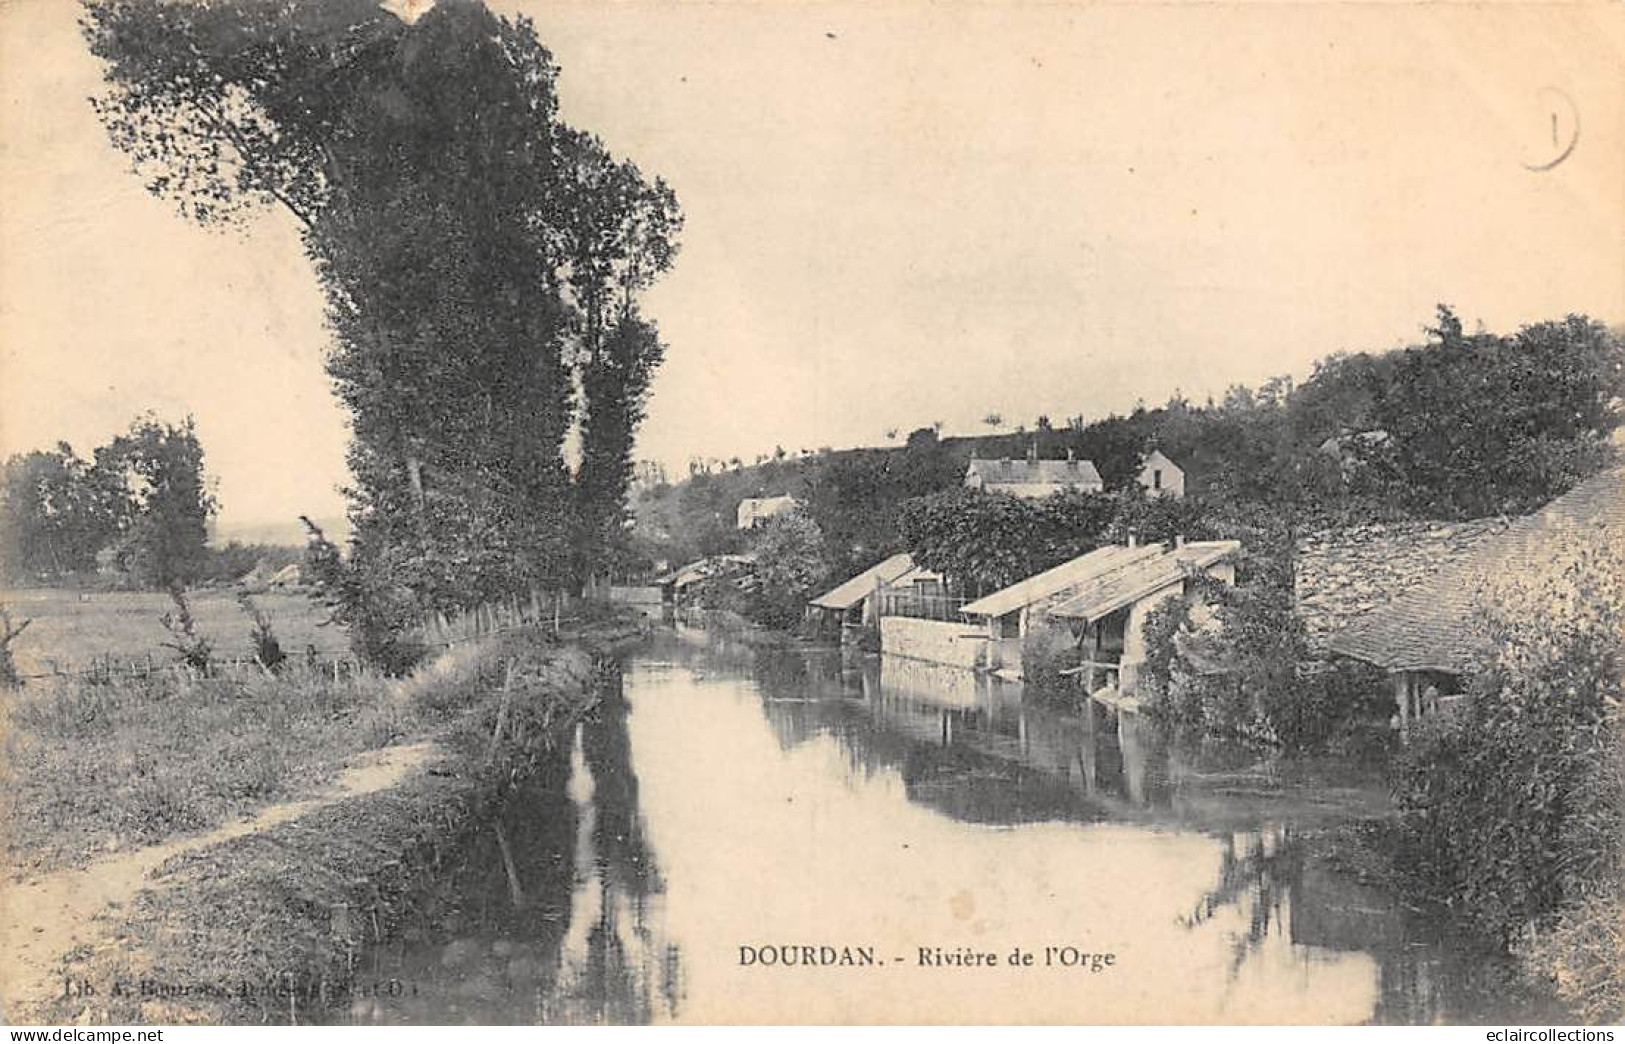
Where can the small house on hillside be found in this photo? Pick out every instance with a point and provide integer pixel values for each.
(1033, 479)
(1161, 477)
(855, 603)
(1430, 638)
(754, 511)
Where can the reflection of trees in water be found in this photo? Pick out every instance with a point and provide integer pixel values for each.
(1257, 880)
(522, 862)
(1424, 977)
(551, 913)
(606, 747)
(490, 943)
(627, 975)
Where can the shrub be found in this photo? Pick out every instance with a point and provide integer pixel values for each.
(380, 614)
(267, 651)
(1327, 702)
(1584, 958)
(1512, 807)
(9, 678)
(196, 650)
(1232, 673)
(791, 564)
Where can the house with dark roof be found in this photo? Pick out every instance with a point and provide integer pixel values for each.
(1430, 638)
(1033, 479)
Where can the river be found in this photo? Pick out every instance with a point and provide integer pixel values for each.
(727, 802)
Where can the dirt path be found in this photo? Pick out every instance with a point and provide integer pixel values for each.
(44, 917)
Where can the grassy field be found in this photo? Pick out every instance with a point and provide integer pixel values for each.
(94, 766)
(97, 767)
(78, 630)
(259, 909)
(112, 755)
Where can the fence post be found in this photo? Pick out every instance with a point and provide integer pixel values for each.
(502, 711)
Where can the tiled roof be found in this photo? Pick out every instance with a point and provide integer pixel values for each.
(861, 586)
(1052, 582)
(1112, 591)
(1035, 472)
(1436, 626)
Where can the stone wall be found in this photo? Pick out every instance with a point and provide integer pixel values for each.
(1342, 574)
(955, 644)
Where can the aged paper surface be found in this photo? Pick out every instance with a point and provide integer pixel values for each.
(945, 219)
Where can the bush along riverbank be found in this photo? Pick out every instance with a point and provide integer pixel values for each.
(1511, 809)
(266, 925)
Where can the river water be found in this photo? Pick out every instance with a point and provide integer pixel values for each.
(728, 806)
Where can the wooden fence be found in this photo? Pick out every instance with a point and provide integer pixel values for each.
(920, 606)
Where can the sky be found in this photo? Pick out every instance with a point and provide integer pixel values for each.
(897, 213)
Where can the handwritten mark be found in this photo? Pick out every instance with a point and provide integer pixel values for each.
(1562, 109)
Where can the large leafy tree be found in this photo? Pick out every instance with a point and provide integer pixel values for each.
(616, 236)
(791, 566)
(161, 468)
(855, 496)
(57, 512)
(481, 259)
(984, 541)
(615, 385)
(1472, 424)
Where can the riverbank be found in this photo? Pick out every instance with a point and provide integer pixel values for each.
(1527, 975)
(261, 920)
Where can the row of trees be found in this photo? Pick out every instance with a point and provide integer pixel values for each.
(140, 506)
(1458, 426)
(482, 262)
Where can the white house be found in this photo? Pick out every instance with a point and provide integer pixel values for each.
(1161, 476)
(1033, 479)
(753, 511)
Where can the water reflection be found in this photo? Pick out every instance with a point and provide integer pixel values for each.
(726, 796)
(553, 915)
